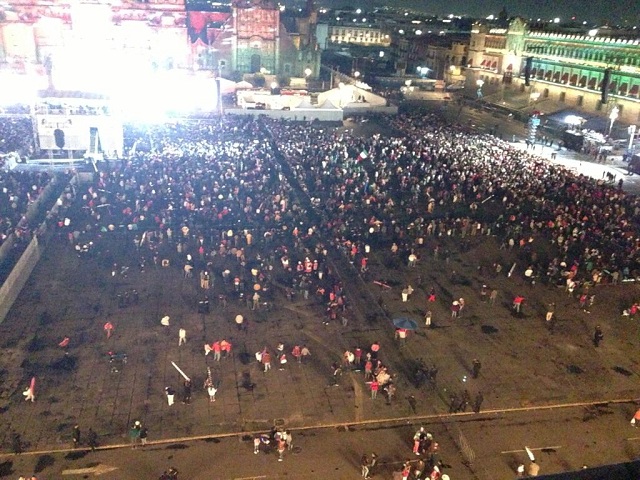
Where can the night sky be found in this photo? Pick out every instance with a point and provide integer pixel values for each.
(596, 11)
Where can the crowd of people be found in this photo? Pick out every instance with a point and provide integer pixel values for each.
(253, 207)
(18, 190)
(16, 134)
(435, 180)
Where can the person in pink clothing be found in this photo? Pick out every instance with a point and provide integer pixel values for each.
(108, 327)
(226, 346)
(374, 388)
(217, 349)
(406, 470)
(297, 353)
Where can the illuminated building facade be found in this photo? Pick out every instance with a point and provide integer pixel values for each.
(566, 67)
(90, 41)
(257, 38)
(358, 35)
(94, 36)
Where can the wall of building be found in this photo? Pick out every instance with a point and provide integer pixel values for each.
(358, 35)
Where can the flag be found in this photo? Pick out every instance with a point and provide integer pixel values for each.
(184, 375)
(209, 381)
(363, 155)
(530, 454)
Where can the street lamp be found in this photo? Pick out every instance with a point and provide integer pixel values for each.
(356, 74)
(613, 116)
(632, 133)
(480, 84)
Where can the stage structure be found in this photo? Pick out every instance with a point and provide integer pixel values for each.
(73, 126)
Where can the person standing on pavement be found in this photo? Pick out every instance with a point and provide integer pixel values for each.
(186, 392)
(477, 365)
(182, 336)
(211, 390)
(108, 327)
(391, 392)
(550, 310)
(419, 469)
(266, 360)
(374, 388)
(170, 392)
(76, 436)
(483, 293)
(418, 438)
(493, 296)
(597, 336)
(297, 353)
(374, 462)
(364, 466)
(477, 402)
(144, 434)
(357, 352)
(92, 439)
(368, 371)
(406, 470)
(517, 303)
(282, 445)
(288, 438)
(134, 433)
(427, 319)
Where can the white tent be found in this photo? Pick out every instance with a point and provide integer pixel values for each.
(305, 104)
(243, 85)
(227, 86)
(328, 105)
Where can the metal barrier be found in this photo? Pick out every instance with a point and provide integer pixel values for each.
(21, 272)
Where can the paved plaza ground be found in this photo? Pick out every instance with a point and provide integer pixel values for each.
(525, 361)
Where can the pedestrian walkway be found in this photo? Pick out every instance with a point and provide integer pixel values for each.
(586, 165)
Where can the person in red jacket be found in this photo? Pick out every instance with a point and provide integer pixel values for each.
(374, 389)
(266, 360)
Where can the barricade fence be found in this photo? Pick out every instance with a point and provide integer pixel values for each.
(23, 268)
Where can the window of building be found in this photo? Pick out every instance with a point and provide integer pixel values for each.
(579, 100)
(562, 97)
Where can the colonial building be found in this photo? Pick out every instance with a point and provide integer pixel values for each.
(125, 36)
(96, 36)
(371, 36)
(593, 71)
(254, 39)
(446, 57)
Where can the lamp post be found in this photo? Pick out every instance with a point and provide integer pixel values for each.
(613, 116)
(632, 133)
(480, 84)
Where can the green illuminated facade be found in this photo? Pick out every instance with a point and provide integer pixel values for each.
(564, 68)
